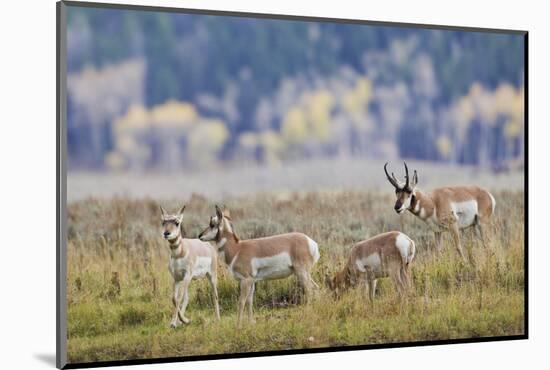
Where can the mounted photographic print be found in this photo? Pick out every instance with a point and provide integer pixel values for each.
(235, 184)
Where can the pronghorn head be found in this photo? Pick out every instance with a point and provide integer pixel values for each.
(341, 281)
(217, 226)
(171, 224)
(404, 191)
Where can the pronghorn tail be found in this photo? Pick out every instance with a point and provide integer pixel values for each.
(406, 247)
(313, 249)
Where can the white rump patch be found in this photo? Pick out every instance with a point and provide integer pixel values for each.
(313, 249)
(493, 203)
(406, 247)
(465, 212)
(273, 267)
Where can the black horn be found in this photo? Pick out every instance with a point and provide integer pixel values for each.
(407, 182)
(392, 178)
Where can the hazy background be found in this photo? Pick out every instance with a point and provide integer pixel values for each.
(166, 104)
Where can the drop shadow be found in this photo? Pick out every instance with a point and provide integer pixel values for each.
(47, 358)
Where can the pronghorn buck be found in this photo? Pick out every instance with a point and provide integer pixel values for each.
(189, 259)
(444, 209)
(273, 257)
(388, 254)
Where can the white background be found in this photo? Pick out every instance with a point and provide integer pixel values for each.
(27, 194)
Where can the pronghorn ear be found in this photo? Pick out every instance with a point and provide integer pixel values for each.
(162, 211)
(226, 212)
(180, 214)
(415, 179)
(219, 213)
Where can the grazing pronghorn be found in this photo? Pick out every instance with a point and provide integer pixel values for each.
(189, 259)
(273, 257)
(388, 254)
(445, 209)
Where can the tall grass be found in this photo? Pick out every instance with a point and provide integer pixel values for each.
(119, 286)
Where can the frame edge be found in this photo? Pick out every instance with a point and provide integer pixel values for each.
(61, 185)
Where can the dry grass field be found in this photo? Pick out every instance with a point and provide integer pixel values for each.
(119, 287)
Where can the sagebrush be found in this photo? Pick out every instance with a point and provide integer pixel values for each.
(119, 286)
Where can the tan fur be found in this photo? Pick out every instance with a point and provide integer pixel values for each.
(392, 265)
(196, 248)
(441, 198)
(435, 207)
(184, 263)
(295, 244)
(238, 255)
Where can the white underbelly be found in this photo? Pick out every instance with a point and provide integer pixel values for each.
(203, 266)
(371, 264)
(273, 267)
(465, 212)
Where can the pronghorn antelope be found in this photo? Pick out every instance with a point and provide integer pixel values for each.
(444, 209)
(273, 257)
(189, 259)
(388, 254)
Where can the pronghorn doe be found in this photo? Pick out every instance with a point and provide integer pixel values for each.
(189, 259)
(388, 254)
(273, 257)
(444, 209)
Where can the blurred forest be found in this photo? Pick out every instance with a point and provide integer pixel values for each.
(152, 90)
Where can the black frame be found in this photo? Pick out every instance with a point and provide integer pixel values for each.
(61, 187)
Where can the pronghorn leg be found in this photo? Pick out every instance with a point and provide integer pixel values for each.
(314, 287)
(175, 301)
(371, 286)
(406, 278)
(250, 302)
(397, 281)
(185, 300)
(313, 283)
(245, 286)
(304, 279)
(437, 235)
(213, 278)
(479, 229)
(456, 238)
(404, 271)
